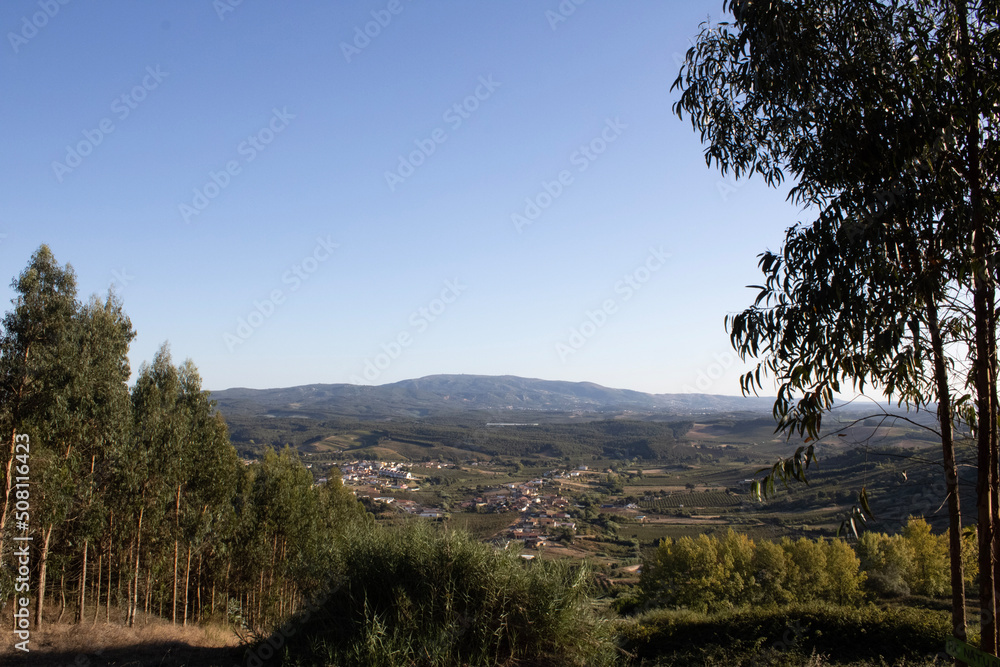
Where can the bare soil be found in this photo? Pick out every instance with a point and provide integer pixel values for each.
(152, 641)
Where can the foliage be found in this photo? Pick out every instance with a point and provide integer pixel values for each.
(416, 596)
(914, 561)
(139, 488)
(885, 115)
(709, 573)
(786, 635)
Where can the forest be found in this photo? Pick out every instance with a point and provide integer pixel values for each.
(134, 497)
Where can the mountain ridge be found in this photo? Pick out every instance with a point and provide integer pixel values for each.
(450, 393)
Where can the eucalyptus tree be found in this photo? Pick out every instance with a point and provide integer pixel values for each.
(30, 339)
(884, 114)
(149, 476)
(100, 408)
(209, 481)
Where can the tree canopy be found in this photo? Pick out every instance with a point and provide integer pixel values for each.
(883, 115)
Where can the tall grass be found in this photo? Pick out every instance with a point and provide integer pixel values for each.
(418, 596)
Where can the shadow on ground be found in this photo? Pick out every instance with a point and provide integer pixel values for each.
(163, 654)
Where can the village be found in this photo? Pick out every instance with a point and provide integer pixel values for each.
(544, 511)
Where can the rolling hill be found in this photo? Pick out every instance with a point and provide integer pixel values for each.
(450, 394)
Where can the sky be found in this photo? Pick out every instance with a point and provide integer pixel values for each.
(370, 191)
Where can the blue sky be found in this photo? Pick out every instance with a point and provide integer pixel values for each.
(474, 187)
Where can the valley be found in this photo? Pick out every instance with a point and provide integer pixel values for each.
(604, 484)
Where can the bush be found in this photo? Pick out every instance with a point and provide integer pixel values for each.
(415, 596)
(784, 636)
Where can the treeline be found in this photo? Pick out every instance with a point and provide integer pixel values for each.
(133, 497)
(710, 574)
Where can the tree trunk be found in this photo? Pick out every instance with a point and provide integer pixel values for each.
(197, 614)
(945, 419)
(138, 550)
(177, 520)
(260, 601)
(42, 563)
(15, 419)
(8, 483)
(97, 589)
(149, 587)
(984, 351)
(111, 541)
(187, 585)
(62, 594)
(994, 477)
(83, 585)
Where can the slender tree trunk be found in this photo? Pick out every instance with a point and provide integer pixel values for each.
(260, 599)
(107, 599)
(197, 615)
(149, 587)
(187, 585)
(111, 541)
(122, 567)
(62, 594)
(7, 485)
(97, 589)
(83, 584)
(945, 419)
(43, 558)
(984, 352)
(138, 550)
(15, 419)
(994, 477)
(177, 521)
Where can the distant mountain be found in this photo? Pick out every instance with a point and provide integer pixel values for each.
(449, 394)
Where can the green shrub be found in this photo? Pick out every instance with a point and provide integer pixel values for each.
(416, 596)
(785, 636)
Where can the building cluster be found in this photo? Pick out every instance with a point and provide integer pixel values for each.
(543, 512)
(377, 474)
(535, 528)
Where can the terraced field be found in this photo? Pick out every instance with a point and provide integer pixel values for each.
(719, 499)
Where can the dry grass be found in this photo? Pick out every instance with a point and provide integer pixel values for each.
(152, 641)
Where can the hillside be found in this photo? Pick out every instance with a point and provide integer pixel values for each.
(449, 394)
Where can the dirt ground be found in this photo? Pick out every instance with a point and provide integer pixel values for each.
(152, 642)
